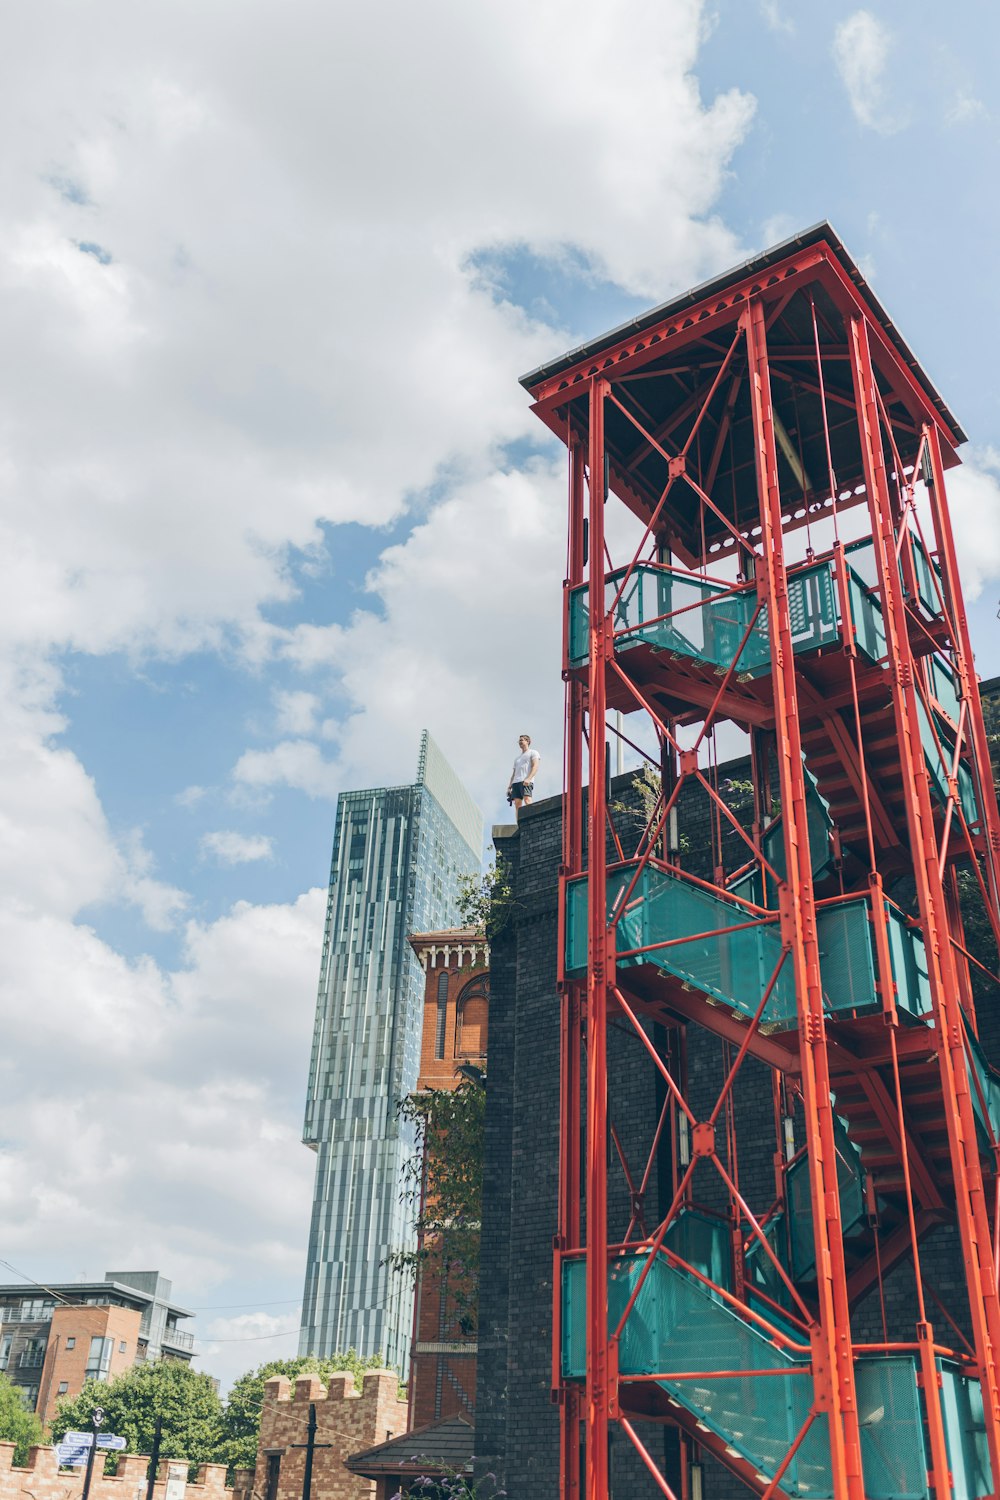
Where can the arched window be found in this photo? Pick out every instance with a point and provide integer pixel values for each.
(442, 1013)
(472, 1020)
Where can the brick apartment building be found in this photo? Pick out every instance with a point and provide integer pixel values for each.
(53, 1341)
(442, 1380)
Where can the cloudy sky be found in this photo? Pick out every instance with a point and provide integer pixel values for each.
(272, 500)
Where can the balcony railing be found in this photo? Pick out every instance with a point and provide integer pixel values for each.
(176, 1339)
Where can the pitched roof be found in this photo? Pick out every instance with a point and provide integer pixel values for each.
(439, 1445)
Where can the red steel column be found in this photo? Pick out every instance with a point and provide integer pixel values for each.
(598, 1394)
(833, 1364)
(970, 1200)
(985, 788)
(570, 1084)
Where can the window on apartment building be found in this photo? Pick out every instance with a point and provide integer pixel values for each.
(99, 1358)
(63, 1387)
(5, 1344)
(35, 1310)
(71, 1343)
(122, 1346)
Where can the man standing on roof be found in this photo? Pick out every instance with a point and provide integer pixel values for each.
(521, 786)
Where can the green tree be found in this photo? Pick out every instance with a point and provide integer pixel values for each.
(17, 1424)
(486, 902)
(444, 1185)
(241, 1418)
(186, 1400)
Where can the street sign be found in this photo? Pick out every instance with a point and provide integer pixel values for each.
(109, 1440)
(72, 1455)
(78, 1439)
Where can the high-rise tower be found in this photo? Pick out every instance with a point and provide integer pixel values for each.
(398, 855)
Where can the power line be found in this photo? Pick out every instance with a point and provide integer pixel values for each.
(250, 1338)
(40, 1284)
(218, 1306)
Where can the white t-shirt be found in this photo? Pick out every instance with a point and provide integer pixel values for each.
(524, 765)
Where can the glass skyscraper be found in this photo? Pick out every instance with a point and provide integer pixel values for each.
(398, 854)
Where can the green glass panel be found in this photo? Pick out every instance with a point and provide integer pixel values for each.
(733, 967)
(706, 620)
(938, 767)
(574, 1319)
(965, 1434)
(576, 925)
(852, 1202)
(926, 572)
(678, 1326)
(579, 626)
(893, 1448)
(866, 613)
(989, 1083)
(909, 965)
(704, 1244)
(819, 823)
(945, 687)
(845, 953)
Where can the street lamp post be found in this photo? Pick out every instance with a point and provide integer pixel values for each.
(96, 1418)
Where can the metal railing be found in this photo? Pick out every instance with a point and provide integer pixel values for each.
(178, 1340)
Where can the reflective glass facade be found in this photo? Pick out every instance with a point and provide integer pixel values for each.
(398, 854)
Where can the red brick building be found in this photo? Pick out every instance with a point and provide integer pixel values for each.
(85, 1342)
(456, 1022)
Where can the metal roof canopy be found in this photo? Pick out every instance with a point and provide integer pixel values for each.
(662, 363)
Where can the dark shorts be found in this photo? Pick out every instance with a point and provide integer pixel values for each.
(519, 790)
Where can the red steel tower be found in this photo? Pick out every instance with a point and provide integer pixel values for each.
(768, 460)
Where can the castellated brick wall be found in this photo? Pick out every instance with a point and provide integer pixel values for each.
(42, 1479)
(348, 1419)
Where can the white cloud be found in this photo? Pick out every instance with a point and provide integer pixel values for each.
(861, 49)
(164, 1124)
(231, 848)
(289, 330)
(295, 712)
(278, 326)
(974, 500)
(965, 107)
(295, 763)
(775, 19)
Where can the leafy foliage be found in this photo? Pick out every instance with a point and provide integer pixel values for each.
(444, 1185)
(186, 1399)
(17, 1424)
(486, 902)
(241, 1418)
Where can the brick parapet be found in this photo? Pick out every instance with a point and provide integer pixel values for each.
(42, 1479)
(348, 1421)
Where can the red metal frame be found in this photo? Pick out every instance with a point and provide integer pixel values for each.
(859, 722)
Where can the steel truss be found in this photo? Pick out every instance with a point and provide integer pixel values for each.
(735, 425)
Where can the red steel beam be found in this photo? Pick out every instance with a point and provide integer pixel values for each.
(834, 1367)
(599, 955)
(970, 1199)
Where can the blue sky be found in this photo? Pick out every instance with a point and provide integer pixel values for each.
(273, 502)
